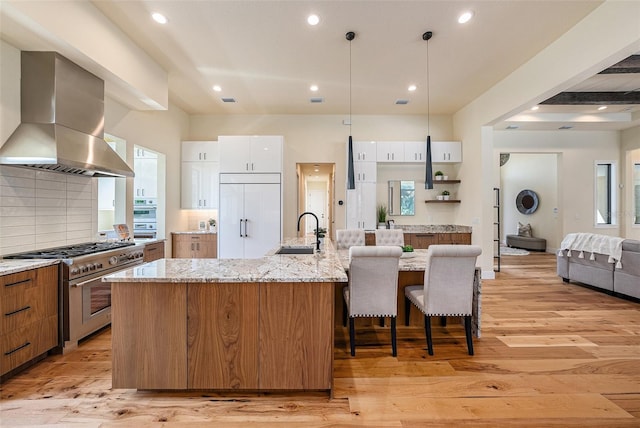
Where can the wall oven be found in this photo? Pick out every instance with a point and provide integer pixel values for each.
(145, 218)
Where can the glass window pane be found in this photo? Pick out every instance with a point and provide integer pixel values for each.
(603, 193)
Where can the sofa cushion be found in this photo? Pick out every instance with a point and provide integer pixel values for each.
(630, 263)
(525, 230)
(631, 245)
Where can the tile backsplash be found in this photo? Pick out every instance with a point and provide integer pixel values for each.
(42, 209)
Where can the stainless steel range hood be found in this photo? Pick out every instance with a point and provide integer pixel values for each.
(62, 128)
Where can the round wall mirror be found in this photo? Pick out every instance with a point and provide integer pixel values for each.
(527, 201)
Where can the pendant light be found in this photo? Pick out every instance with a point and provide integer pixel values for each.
(428, 180)
(351, 180)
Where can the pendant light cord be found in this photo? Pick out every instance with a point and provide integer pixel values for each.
(428, 95)
(350, 87)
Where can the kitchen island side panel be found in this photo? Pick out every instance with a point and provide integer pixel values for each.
(296, 336)
(149, 335)
(223, 336)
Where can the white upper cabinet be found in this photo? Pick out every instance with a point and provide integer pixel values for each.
(145, 166)
(199, 151)
(446, 151)
(364, 151)
(365, 172)
(199, 173)
(390, 151)
(251, 153)
(415, 151)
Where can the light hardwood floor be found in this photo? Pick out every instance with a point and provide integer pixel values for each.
(551, 354)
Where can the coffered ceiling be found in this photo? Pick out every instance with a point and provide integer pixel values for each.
(265, 56)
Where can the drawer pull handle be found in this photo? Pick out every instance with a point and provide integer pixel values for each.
(17, 349)
(11, 284)
(26, 308)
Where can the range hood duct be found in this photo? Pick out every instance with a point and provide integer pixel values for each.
(62, 127)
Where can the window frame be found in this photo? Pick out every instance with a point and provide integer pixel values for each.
(612, 193)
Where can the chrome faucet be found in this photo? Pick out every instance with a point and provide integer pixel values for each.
(317, 227)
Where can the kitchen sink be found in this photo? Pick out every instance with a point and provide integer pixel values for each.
(295, 250)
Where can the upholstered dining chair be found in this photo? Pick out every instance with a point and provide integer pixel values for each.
(373, 287)
(447, 289)
(346, 238)
(390, 237)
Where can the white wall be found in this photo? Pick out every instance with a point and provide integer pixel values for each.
(630, 148)
(536, 172)
(320, 139)
(578, 151)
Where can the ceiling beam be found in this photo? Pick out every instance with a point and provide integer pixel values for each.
(627, 65)
(594, 98)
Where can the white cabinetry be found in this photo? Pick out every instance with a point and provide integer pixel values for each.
(446, 151)
(250, 215)
(361, 207)
(199, 151)
(361, 201)
(415, 151)
(364, 151)
(199, 186)
(365, 172)
(145, 166)
(243, 154)
(390, 151)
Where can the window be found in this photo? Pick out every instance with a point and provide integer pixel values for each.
(605, 193)
(636, 192)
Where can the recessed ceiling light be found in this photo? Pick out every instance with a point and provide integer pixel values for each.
(313, 19)
(159, 18)
(602, 108)
(313, 88)
(412, 88)
(217, 88)
(465, 17)
(534, 108)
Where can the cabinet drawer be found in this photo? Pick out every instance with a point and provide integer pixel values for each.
(27, 297)
(423, 240)
(454, 238)
(26, 343)
(153, 251)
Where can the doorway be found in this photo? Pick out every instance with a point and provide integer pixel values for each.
(316, 184)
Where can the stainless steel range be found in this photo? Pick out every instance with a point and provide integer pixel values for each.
(86, 300)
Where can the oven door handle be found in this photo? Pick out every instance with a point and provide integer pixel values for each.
(80, 284)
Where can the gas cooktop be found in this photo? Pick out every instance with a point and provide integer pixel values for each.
(70, 251)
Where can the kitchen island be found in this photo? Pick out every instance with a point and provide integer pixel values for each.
(231, 324)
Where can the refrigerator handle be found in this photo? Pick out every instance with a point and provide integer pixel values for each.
(241, 228)
(246, 222)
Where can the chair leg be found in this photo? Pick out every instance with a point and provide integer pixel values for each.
(407, 310)
(352, 336)
(394, 349)
(381, 321)
(443, 321)
(344, 314)
(467, 328)
(427, 330)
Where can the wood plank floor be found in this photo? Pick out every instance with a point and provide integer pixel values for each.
(551, 354)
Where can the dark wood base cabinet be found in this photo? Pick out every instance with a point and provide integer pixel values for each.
(223, 336)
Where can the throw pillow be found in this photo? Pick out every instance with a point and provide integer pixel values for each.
(524, 230)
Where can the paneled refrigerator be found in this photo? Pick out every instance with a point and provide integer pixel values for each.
(250, 215)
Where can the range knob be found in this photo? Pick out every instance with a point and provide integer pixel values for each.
(84, 269)
(113, 260)
(75, 271)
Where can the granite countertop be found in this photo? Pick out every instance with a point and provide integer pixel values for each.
(324, 266)
(149, 241)
(413, 261)
(9, 266)
(431, 228)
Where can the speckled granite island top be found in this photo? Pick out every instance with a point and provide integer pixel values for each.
(431, 228)
(320, 267)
